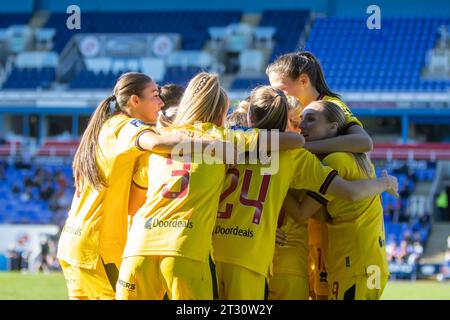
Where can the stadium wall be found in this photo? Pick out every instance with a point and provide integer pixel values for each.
(347, 8)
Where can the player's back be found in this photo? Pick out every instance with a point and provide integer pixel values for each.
(250, 204)
(179, 212)
(356, 236)
(106, 210)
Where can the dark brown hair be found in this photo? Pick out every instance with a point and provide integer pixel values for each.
(84, 165)
(294, 64)
(171, 94)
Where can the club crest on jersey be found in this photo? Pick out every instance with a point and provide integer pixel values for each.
(137, 123)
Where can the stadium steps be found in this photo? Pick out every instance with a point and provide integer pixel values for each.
(39, 19)
(437, 243)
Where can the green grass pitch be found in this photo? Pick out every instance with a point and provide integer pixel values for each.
(18, 286)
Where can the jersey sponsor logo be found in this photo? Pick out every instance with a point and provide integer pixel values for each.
(137, 123)
(236, 231)
(156, 223)
(72, 229)
(127, 285)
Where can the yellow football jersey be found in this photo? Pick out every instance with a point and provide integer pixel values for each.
(291, 258)
(250, 204)
(97, 220)
(182, 200)
(140, 176)
(350, 119)
(286, 260)
(356, 238)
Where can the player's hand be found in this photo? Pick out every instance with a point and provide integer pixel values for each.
(281, 238)
(391, 182)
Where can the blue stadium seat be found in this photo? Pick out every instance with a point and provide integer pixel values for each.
(400, 49)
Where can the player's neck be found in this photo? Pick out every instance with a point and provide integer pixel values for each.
(310, 95)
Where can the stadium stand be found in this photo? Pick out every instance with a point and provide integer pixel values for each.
(289, 25)
(34, 194)
(192, 25)
(30, 78)
(390, 59)
(9, 19)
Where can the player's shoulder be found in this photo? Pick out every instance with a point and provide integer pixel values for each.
(335, 100)
(339, 159)
(297, 152)
(120, 121)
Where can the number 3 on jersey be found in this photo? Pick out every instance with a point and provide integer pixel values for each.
(243, 198)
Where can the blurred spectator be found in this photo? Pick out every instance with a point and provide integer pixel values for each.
(22, 163)
(3, 167)
(26, 195)
(391, 249)
(425, 219)
(404, 169)
(403, 252)
(416, 254)
(39, 177)
(412, 175)
(27, 182)
(15, 188)
(442, 204)
(46, 191)
(52, 261)
(19, 253)
(61, 180)
(44, 255)
(59, 201)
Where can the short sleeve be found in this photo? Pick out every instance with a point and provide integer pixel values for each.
(128, 136)
(350, 118)
(310, 173)
(140, 175)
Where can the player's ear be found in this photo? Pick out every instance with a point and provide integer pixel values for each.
(334, 127)
(134, 100)
(303, 79)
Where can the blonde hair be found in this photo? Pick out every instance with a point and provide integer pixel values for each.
(84, 164)
(268, 108)
(203, 100)
(333, 113)
(243, 105)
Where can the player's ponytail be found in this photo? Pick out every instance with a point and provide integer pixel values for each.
(292, 65)
(268, 109)
(317, 79)
(85, 169)
(333, 113)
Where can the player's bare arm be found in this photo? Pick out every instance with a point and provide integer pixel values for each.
(356, 139)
